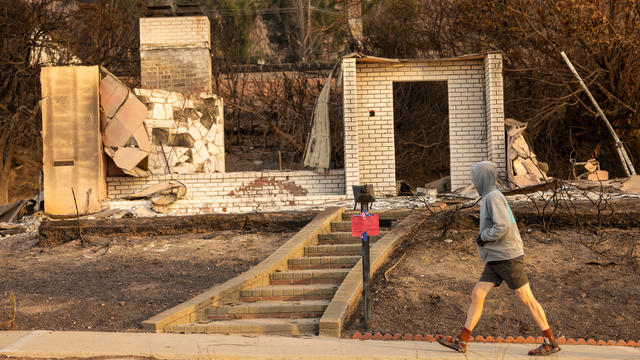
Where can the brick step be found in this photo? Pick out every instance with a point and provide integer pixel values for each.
(393, 214)
(313, 276)
(344, 237)
(268, 309)
(323, 262)
(252, 327)
(346, 225)
(289, 293)
(333, 250)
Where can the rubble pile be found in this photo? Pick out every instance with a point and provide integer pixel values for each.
(187, 133)
(523, 168)
(121, 123)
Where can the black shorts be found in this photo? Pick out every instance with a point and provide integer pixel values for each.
(510, 271)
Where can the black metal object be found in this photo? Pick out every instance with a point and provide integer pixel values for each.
(364, 195)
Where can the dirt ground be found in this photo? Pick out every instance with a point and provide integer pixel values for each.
(586, 282)
(120, 281)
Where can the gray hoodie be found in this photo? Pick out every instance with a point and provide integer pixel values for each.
(497, 225)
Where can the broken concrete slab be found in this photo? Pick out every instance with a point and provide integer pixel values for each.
(112, 95)
(157, 188)
(124, 128)
(631, 185)
(598, 175)
(142, 139)
(441, 185)
(523, 167)
(115, 134)
(131, 114)
(127, 158)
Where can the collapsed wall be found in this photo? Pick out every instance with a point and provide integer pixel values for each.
(186, 132)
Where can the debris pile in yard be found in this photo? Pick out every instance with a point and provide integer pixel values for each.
(523, 168)
(187, 133)
(162, 194)
(14, 211)
(592, 170)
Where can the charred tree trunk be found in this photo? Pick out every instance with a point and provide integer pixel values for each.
(6, 156)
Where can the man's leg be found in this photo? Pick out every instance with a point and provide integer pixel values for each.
(526, 296)
(480, 291)
(479, 294)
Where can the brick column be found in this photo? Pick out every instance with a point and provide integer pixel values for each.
(494, 98)
(349, 100)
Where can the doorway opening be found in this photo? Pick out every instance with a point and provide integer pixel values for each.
(421, 132)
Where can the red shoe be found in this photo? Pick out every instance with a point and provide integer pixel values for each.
(455, 344)
(545, 349)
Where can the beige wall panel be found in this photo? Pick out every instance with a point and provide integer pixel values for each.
(72, 152)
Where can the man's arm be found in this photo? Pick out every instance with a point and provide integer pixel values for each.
(497, 206)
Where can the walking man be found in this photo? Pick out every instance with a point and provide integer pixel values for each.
(501, 250)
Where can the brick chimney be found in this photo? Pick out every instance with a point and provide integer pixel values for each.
(175, 54)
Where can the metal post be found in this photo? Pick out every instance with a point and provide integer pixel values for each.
(364, 209)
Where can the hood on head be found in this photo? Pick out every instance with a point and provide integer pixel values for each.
(483, 175)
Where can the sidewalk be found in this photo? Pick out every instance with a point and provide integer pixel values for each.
(62, 344)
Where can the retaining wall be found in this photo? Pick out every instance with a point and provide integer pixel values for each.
(238, 191)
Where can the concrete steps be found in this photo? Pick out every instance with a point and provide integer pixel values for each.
(312, 276)
(296, 298)
(252, 327)
(333, 250)
(323, 262)
(268, 309)
(344, 237)
(289, 293)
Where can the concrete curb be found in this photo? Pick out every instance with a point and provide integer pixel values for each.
(193, 309)
(350, 291)
(498, 339)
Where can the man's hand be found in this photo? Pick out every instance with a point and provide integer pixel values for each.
(479, 241)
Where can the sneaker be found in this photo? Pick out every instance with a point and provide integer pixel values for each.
(455, 344)
(545, 349)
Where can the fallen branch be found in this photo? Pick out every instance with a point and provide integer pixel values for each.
(393, 267)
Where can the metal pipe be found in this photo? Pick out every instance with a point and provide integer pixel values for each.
(624, 158)
(366, 268)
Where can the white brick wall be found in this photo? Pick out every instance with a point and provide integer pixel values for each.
(174, 32)
(238, 191)
(494, 101)
(374, 154)
(351, 160)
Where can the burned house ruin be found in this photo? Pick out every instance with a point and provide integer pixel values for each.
(183, 137)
